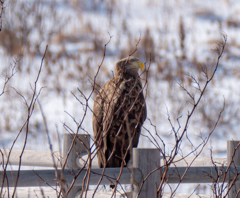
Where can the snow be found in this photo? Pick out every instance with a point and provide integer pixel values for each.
(36, 192)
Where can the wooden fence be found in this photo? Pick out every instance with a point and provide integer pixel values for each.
(145, 161)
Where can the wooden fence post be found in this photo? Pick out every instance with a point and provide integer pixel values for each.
(77, 149)
(146, 160)
(231, 148)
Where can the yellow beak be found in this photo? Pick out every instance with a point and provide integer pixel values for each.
(140, 65)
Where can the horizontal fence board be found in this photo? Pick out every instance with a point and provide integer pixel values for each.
(31, 158)
(201, 174)
(43, 158)
(193, 175)
(178, 161)
(199, 161)
(32, 177)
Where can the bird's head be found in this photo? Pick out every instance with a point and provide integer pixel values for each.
(128, 66)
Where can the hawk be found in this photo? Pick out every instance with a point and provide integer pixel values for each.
(119, 112)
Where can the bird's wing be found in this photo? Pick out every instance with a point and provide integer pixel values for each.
(100, 102)
(123, 122)
(110, 107)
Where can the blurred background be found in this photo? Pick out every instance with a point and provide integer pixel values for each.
(174, 38)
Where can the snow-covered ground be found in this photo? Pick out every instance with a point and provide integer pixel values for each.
(36, 192)
(76, 33)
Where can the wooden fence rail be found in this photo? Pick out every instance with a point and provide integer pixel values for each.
(29, 178)
(144, 161)
(44, 159)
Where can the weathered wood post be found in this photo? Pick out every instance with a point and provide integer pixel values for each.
(232, 146)
(147, 160)
(77, 149)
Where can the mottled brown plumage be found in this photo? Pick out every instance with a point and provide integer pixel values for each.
(118, 113)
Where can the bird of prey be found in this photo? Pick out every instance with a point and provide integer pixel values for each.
(119, 112)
